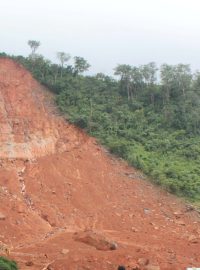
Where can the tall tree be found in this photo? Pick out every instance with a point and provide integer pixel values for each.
(63, 58)
(34, 45)
(183, 77)
(167, 79)
(124, 71)
(80, 65)
(136, 81)
(149, 73)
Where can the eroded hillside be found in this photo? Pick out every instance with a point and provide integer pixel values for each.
(64, 199)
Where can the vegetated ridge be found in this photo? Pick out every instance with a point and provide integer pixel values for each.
(65, 203)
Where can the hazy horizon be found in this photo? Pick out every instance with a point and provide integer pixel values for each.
(105, 33)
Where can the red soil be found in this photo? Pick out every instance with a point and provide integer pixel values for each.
(56, 181)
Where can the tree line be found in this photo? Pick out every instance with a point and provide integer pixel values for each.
(172, 90)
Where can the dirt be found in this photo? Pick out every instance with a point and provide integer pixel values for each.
(56, 182)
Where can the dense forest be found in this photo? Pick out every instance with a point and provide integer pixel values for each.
(147, 115)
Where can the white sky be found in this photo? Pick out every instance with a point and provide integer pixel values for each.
(105, 32)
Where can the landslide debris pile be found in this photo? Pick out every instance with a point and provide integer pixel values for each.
(65, 203)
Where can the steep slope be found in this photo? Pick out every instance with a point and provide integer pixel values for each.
(56, 182)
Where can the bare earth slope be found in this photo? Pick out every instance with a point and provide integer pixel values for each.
(56, 183)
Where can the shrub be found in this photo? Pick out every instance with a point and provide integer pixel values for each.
(6, 264)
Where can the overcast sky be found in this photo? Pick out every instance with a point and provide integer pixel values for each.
(105, 32)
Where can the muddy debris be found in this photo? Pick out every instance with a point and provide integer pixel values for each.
(96, 240)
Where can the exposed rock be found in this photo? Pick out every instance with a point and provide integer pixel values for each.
(29, 263)
(143, 261)
(65, 251)
(193, 239)
(178, 214)
(2, 216)
(45, 217)
(50, 267)
(96, 240)
(134, 229)
(147, 210)
(180, 222)
(189, 208)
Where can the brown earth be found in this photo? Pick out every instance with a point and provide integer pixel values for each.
(58, 187)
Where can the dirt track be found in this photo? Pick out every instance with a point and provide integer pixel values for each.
(56, 181)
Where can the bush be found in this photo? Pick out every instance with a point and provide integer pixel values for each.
(6, 264)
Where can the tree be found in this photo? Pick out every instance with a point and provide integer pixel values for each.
(34, 45)
(177, 95)
(136, 80)
(125, 72)
(41, 66)
(149, 73)
(54, 69)
(80, 65)
(63, 58)
(167, 80)
(183, 77)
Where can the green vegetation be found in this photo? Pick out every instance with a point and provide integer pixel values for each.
(6, 264)
(147, 116)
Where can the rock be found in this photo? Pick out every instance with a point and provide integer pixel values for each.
(65, 251)
(180, 222)
(45, 217)
(2, 216)
(143, 261)
(178, 214)
(29, 263)
(147, 210)
(96, 240)
(131, 175)
(193, 239)
(134, 229)
(189, 208)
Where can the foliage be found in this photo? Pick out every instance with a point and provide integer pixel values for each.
(6, 264)
(80, 65)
